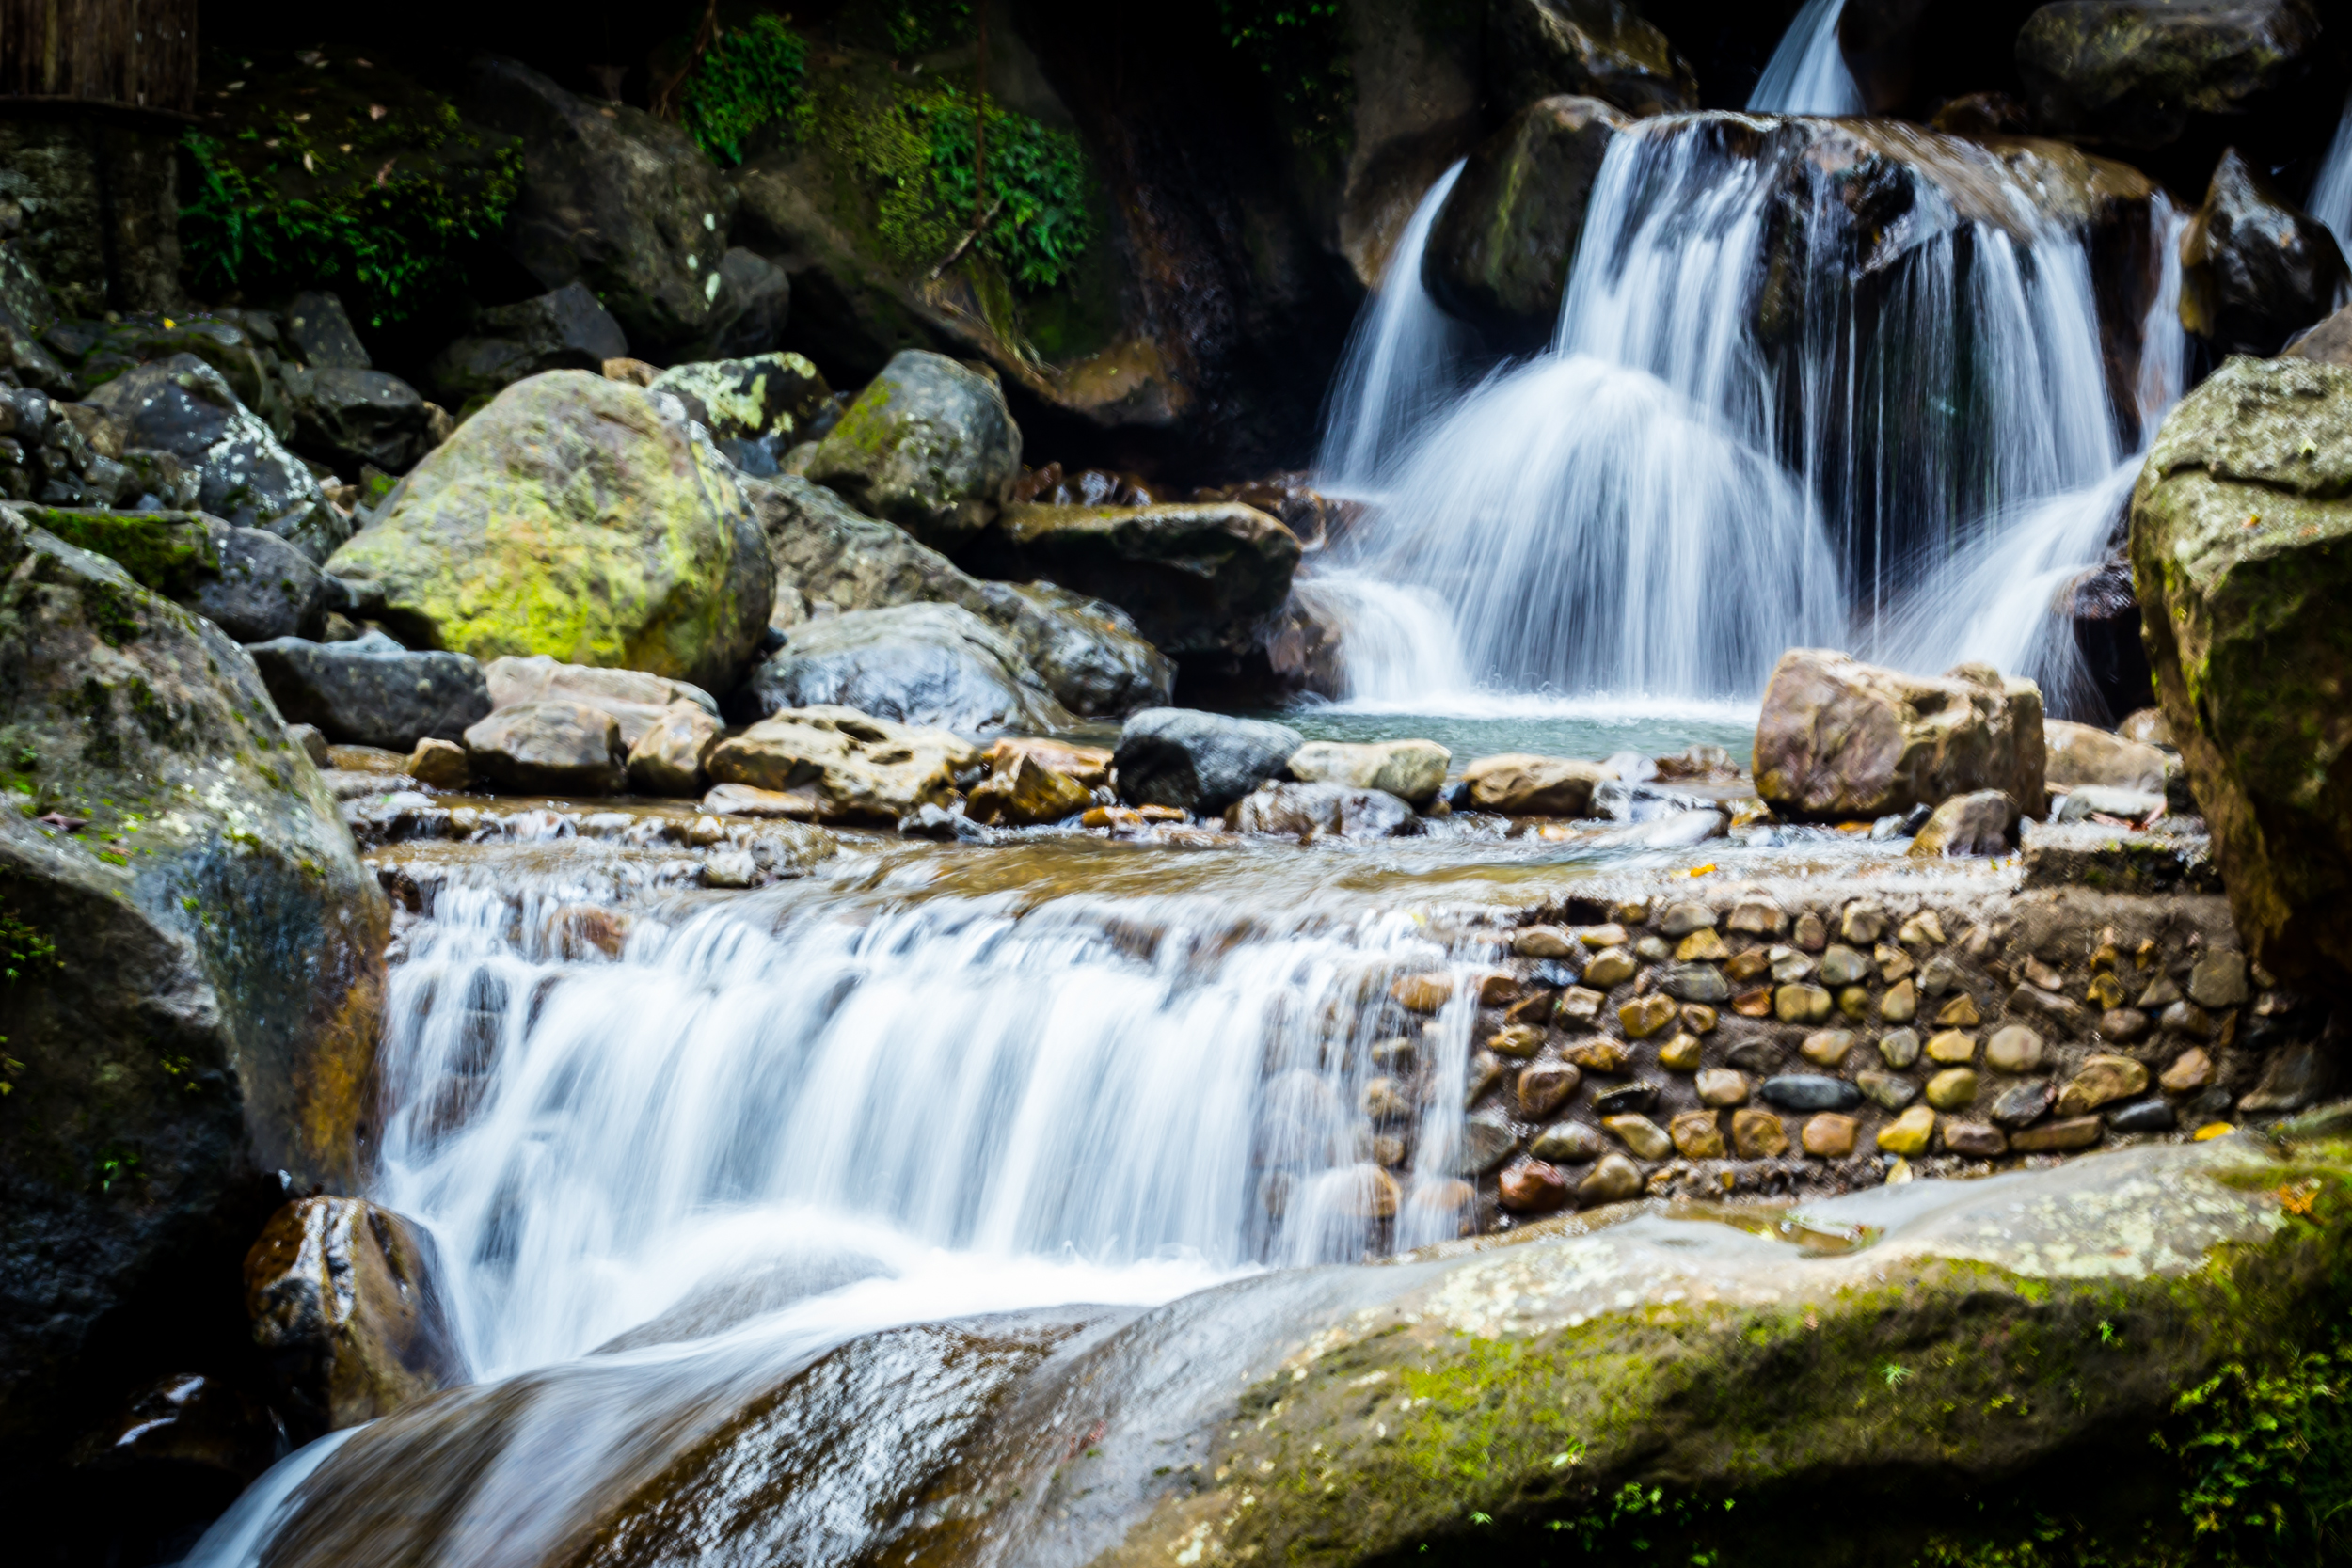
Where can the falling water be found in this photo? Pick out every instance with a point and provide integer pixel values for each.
(1402, 363)
(2330, 200)
(1807, 74)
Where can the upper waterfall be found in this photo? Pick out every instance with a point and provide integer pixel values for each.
(2330, 201)
(1807, 74)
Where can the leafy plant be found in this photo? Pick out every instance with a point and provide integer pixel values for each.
(2267, 1460)
(921, 26)
(748, 76)
(1301, 47)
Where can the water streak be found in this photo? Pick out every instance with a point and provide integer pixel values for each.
(1807, 74)
(2330, 201)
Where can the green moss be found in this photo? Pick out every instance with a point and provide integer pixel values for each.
(166, 554)
(749, 76)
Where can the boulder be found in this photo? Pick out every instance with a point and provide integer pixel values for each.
(769, 402)
(372, 692)
(2242, 552)
(182, 407)
(1199, 580)
(849, 766)
(348, 418)
(2329, 342)
(346, 1305)
(197, 960)
(636, 700)
(435, 763)
(319, 333)
(1310, 811)
(550, 748)
(667, 758)
(1411, 769)
(2134, 73)
(1499, 253)
(928, 444)
(1981, 823)
(1599, 48)
(1840, 739)
(1022, 792)
(1198, 761)
(255, 586)
(830, 557)
(564, 329)
(2254, 268)
(754, 300)
(1518, 784)
(614, 199)
(2078, 755)
(929, 664)
(578, 517)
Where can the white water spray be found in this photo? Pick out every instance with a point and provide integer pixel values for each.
(1807, 74)
(2330, 201)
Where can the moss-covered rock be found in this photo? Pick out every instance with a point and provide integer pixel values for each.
(192, 987)
(578, 517)
(928, 444)
(2135, 72)
(2241, 559)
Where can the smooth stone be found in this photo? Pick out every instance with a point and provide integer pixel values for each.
(1681, 1054)
(1598, 1054)
(1385, 1099)
(2058, 1138)
(1705, 946)
(1900, 1004)
(1899, 1047)
(2191, 1071)
(1694, 982)
(1802, 1003)
(2086, 801)
(2124, 1024)
(1614, 1179)
(1411, 769)
(1543, 1087)
(2022, 1104)
(1761, 1058)
(1790, 965)
(2187, 1018)
(1521, 785)
(1829, 1136)
(1697, 1135)
(1423, 993)
(1924, 929)
(1520, 1039)
(1983, 822)
(1908, 1133)
(1641, 1135)
(1198, 761)
(1808, 1092)
(1952, 1088)
(1828, 1048)
(1645, 1016)
(1570, 1143)
(1893, 963)
(2014, 1048)
(1951, 1048)
(1698, 1018)
(1484, 1145)
(439, 765)
(1598, 937)
(2102, 1080)
(1579, 1005)
(1975, 1139)
(1543, 942)
(1532, 1188)
(1685, 918)
(1843, 966)
(1626, 1098)
(551, 748)
(667, 759)
(1888, 1089)
(1758, 1134)
(2148, 1115)
(1611, 966)
(1722, 1087)
(1759, 917)
(1862, 924)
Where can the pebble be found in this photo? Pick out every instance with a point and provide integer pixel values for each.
(1974, 1138)
(1959, 1013)
(1900, 1004)
(2192, 1070)
(1681, 1053)
(1598, 937)
(1899, 1047)
(1789, 965)
(1626, 1098)
(2068, 1015)
(1683, 919)
(1842, 966)
(1543, 1087)
(2122, 1024)
(1812, 932)
(1374, 1194)
(1759, 917)
(1952, 1090)
(1423, 993)
(1579, 1005)
(2187, 1018)
(1485, 1072)
(1827, 1048)
(2217, 979)
(1863, 923)
(2160, 994)
(2022, 1104)
(1923, 930)
(1614, 1179)
(1702, 946)
(1908, 1133)
(1569, 1143)
(1484, 1145)
(1801, 1004)
(2146, 1116)
(1692, 982)
(1543, 941)
(2042, 975)
(1952, 1048)
(1520, 1039)
(1651, 949)
(1532, 1009)
(1385, 1099)
(1610, 966)
(1754, 1004)
(1719, 1086)
(1698, 1018)
(1940, 976)
(439, 765)
(1889, 1089)
(1496, 987)
(2058, 1138)
(1758, 1134)
(2102, 1080)
(1761, 1057)
(1809, 1091)
(2106, 992)
(1533, 1188)
(1598, 1054)
(1397, 1051)
(1854, 1002)
(1829, 1135)
(1748, 965)
(2014, 1048)
(1639, 1134)
(1697, 1135)
(1893, 963)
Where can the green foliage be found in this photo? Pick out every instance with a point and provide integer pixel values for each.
(922, 27)
(1301, 47)
(2267, 1460)
(23, 949)
(748, 76)
(323, 184)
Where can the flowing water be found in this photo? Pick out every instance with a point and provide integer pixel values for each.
(2330, 201)
(1807, 74)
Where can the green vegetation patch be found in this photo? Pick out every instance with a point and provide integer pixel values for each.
(324, 171)
(1301, 48)
(164, 553)
(749, 75)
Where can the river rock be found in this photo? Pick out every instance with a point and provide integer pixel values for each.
(928, 444)
(1198, 761)
(2100, 1080)
(1613, 1179)
(850, 765)
(578, 517)
(637, 700)
(1758, 1134)
(198, 959)
(926, 664)
(2079, 755)
(1409, 769)
(1312, 811)
(1983, 822)
(183, 407)
(1600, 48)
(346, 1305)
(348, 418)
(2247, 640)
(1521, 785)
(550, 748)
(1532, 1187)
(1644, 1137)
(1499, 252)
(1569, 1143)
(2255, 269)
(372, 692)
(1839, 739)
(1204, 579)
(1810, 1091)
(2133, 72)
(755, 408)
(1022, 792)
(667, 758)
(564, 329)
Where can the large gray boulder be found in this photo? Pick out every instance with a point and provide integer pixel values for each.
(184, 407)
(936, 665)
(372, 692)
(928, 444)
(1843, 740)
(253, 585)
(1198, 761)
(564, 329)
(2255, 269)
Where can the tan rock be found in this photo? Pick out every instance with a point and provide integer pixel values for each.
(1893, 963)
(1924, 929)
(1598, 1054)
(2056, 1137)
(859, 768)
(1975, 1139)
(1801, 1004)
(799, 805)
(1983, 822)
(1423, 993)
(1645, 1016)
(1829, 1135)
(1827, 1048)
(1758, 1134)
(1543, 941)
(1899, 1047)
(2015, 1048)
(1544, 1087)
(551, 748)
(1900, 1004)
(1611, 966)
(1952, 1048)
(1908, 1133)
(1683, 1053)
(1385, 1099)
(1411, 769)
(1952, 1090)
(636, 700)
(1613, 1179)
(439, 765)
(1641, 1135)
(1698, 1018)
(2100, 1080)
(667, 759)
(1759, 917)
(1089, 764)
(1705, 946)
(2192, 1070)
(1520, 1039)
(1959, 1013)
(1723, 1086)
(1022, 792)
(1697, 1135)
(1754, 1004)
(2079, 755)
(1839, 739)
(1521, 785)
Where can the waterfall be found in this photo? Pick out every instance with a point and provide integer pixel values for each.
(1807, 74)
(2330, 201)
(1402, 362)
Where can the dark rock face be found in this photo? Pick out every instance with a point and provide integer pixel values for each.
(2135, 72)
(929, 664)
(349, 416)
(1593, 48)
(2255, 269)
(372, 692)
(319, 331)
(1198, 761)
(1498, 254)
(564, 329)
(1906, 56)
(196, 997)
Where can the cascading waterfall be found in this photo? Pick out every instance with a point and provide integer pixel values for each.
(1807, 74)
(2330, 201)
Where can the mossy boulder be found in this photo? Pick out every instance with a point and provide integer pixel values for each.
(193, 989)
(2136, 72)
(2242, 558)
(928, 444)
(1599, 48)
(578, 517)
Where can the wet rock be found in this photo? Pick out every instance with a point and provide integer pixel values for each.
(1312, 811)
(1497, 255)
(2218, 980)
(552, 747)
(1610, 967)
(667, 759)
(1973, 1139)
(1600, 48)
(1899, 1048)
(1639, 1134)
(183, 407)
(1411, 769)
(930, 446)
(1840, 739)
(769, 400)
(1801, 1004)
(2102, 1078)
(1887, 1089)
(564, 329)
(580, 518)
(2187, 1018)
(1909, 1134)
(1600, 1053)
(853, 766)
(1626, 1098)
(1613, 1179)
(2058, 1138)
(2135, 73)
(2191, 1071)
(1694, 982)
(1808, 1091)
(2022, 1104)
(1198, 761)
(1952, 1090)
(345, 1302)
(1423, 993)
(638, 701)
(1983, 822)
(1544, 1087)
(1702, 946)
(1686, 919)
(1484, 1145)
(1899, 1004)
(1681, 1054)
(371, 691)
(1842, 966)
(1570, 1143)
(1828, 1137)
(2149, 1116)
(929, 664)
(1023, 793)
(1519, 785)
(1697, 1135)
(1533, 1188)
(349, 418)
(198, 995)
(439, 765)
(1758, 1134)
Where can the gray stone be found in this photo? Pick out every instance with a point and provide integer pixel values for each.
(552, 747)
(354, 417)
(2255, 268)
(1569, 1143)
(928, 444)
(1811, 1091)
(2086, 801)
(1842, 966)
(1198, 761)
(924, 664)
(1626, 1100)
(1981, 823)
(1899, 1047)
(1694, 982)
(1409, 769)
(2147, 1116)
(1312, 811)
(1888, 1089)
(2022, 1104)
(264, 587)
(2218, 980)
(372, 692)
(770, 397)
(320, 335)
(564, 329)
(1484, 1145)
